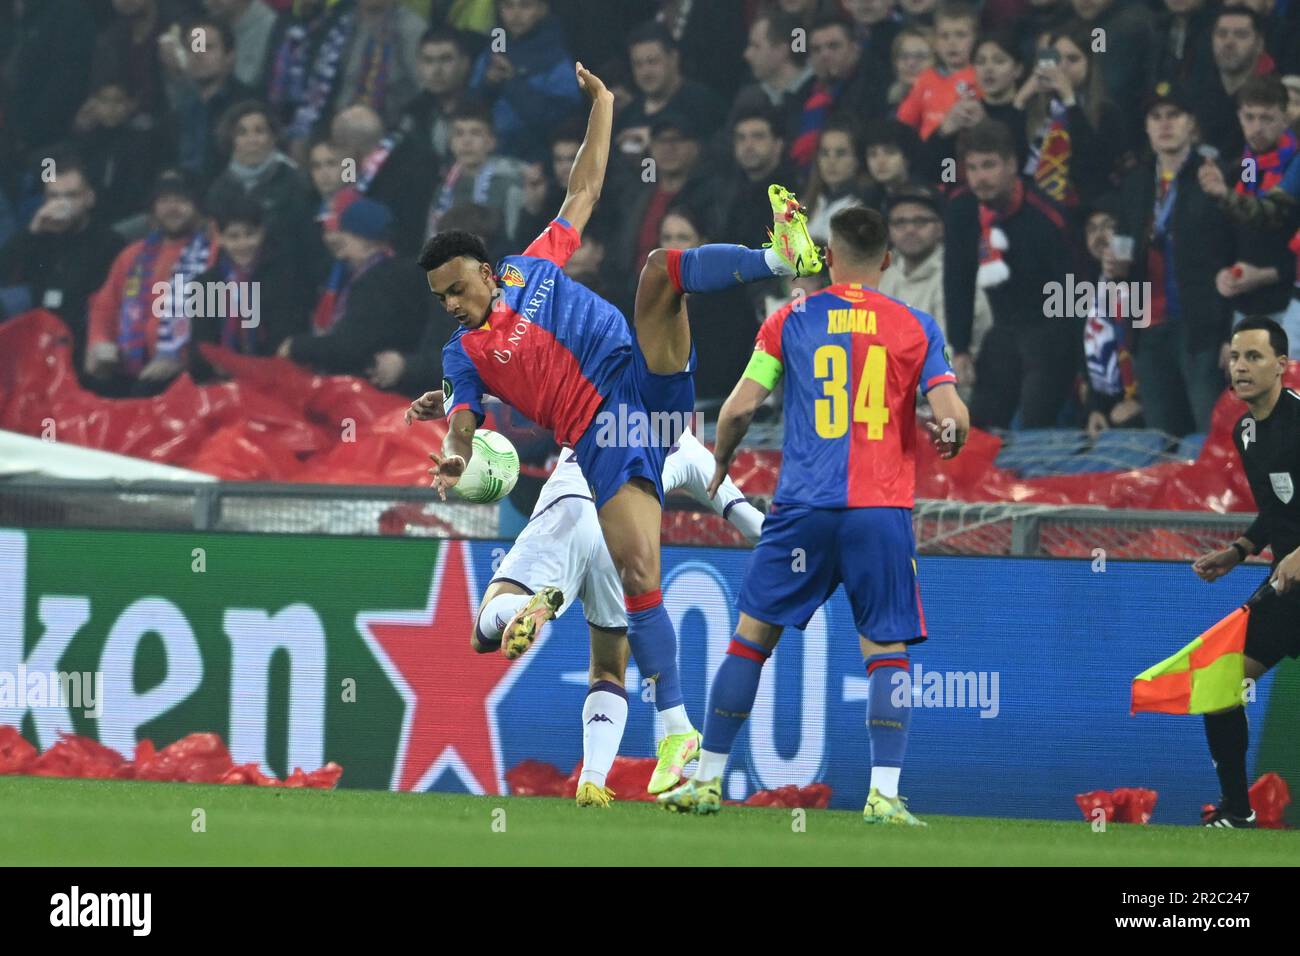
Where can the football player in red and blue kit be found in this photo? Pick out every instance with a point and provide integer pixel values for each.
(618, 395)
(852, 360)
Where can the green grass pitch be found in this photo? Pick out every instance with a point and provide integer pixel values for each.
(86, 822)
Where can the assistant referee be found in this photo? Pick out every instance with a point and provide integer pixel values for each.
(1268, 439)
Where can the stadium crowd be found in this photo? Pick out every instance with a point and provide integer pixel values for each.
(303, 149)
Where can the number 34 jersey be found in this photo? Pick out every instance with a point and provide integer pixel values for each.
(852, 360)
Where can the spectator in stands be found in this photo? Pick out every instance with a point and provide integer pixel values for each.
(544, 184)
(661, 88)
(305, 60)
(836, 182)
(876, 24)
(711, 39)
(1292, 84)
(206, 88)
(1128, 66)
(478, 174)
(123, 148)
(918, 13)
(890, 153)
(914, 215)
(382, 306)
(1185, 51)
(63, 255)
(675, 155)
(758, 150)
(1182, 240)
(127, 53)
(49, 70)
(723, 324)
(260, 292)
(842, 87)
(139, 334)
(531, 83)
(1006, 238)
(781, 81)
(1075, 134)
(258, 170)
(444, 66)
(252, 23)
(1042, 17)
(379, 67)
(1260, 280)
(325, 166)
(949, 84)
(1110, 387)
(384, 169)
(912, 54)
(1238, 42)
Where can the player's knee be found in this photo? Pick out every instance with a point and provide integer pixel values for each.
(639, 572)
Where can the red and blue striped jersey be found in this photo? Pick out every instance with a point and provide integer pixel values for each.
(852, 360)
(550, 347)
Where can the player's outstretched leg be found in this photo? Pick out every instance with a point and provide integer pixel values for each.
(604, 715)
(888, 720)
(1228, 734)
(630, 521)
(731, 698)
(669, 274)
(522, 629)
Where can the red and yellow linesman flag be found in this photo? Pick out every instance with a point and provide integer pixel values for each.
(1206, 675)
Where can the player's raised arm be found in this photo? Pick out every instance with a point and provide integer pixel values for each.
(733, 422)
(588, 175)
(951, 423)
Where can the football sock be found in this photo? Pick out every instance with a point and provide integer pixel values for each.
(675, 720)
(711, 766)
(885, 779)
(778, 265)
(887, 720)
(747, 519)
(731, 698)
(604, 715)
(715, 267)
(1229, 735)
(496, 615)
(654, 646)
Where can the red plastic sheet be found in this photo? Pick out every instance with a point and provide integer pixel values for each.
(272, 422)
(1123, 805)
(198, 758)
(276, 422)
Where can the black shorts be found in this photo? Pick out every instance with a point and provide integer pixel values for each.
(1274, 628)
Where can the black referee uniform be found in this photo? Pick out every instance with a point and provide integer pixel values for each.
(1270, 452)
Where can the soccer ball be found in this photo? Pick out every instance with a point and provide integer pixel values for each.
(492, 471)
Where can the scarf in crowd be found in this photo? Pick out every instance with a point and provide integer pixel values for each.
(324, 76)
(377, 64)
(447, 194)
(1269, 167)
(250, 177)
(234, 335)
(1106, 348)
(374, 162)
(333, 303)
(138, 300)
(1049, 162)
(816, 111)
(993, 268)
(287, 85)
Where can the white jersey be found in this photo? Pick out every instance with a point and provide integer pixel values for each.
(563, 547)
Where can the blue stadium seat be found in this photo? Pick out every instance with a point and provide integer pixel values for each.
(1190, 446)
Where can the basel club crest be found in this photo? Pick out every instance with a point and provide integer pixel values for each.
(513, 277)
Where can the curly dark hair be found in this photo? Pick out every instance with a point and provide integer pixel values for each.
(446, 246)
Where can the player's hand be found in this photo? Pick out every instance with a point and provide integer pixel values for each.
(446, 471)
(425, 408)
(719, 476)
(1212, 566)
(591, 84)
(946, 441)
(1210, 176)
(1287, 575)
